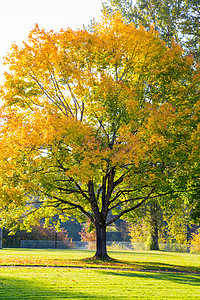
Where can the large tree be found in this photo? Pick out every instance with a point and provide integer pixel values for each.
(96, 124)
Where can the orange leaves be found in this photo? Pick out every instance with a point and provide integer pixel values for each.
(119, 40)
(122, 46)
(165, 112)
(70, 68)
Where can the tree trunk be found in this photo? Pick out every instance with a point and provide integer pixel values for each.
(56, 240)
(153, 244)
(154, 237)
(1, 237)
(101, 249)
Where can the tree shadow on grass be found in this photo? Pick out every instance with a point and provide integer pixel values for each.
(160, 266)
(140, 265)
(15, 289)
(180, 278)
(142, 252)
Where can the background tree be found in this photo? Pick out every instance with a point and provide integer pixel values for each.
(147, 225)
(171, 226)
(95, 123)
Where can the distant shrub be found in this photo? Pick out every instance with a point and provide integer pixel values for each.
(195, 242)
(116, 246)
(38, 232)
(88, 234)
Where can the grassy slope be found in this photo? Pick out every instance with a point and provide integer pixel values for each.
(112, 282)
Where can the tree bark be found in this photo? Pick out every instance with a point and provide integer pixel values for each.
(154, 237)
(101, 249)
(153, 244)
(1, 237)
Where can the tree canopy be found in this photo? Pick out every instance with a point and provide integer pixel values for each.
(94, 124)
(177, 20)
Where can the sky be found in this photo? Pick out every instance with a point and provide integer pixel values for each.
(18, 17)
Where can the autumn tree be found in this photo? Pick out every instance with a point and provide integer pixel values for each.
(95, 124)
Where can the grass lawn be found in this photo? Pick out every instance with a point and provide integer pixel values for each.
(87, 279)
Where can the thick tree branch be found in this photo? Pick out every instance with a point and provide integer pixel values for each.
(92, 198)
(80, 189)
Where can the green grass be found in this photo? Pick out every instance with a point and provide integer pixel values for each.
(88, 279)
(60, 283)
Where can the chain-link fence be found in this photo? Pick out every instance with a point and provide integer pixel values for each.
(45, 244)
(127, 246)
